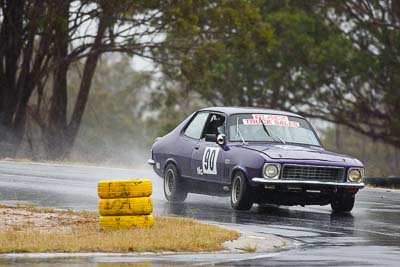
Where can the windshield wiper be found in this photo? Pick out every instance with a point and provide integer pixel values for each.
(266, 130)
(238, 133)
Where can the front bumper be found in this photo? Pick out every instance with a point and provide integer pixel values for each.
(307, 183)
(151, 162)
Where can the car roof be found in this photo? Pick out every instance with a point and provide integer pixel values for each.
(239, 110)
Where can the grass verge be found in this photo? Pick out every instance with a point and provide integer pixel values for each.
(249, 248)
(31, 229)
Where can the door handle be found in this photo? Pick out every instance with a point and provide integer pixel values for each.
(196, 147)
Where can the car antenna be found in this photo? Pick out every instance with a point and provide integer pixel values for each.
(266, 130)
(238, 133)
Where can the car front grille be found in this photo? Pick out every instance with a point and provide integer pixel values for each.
(312, 173)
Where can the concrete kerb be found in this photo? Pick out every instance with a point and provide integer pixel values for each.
(255, 242)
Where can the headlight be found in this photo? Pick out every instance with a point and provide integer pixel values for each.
(271, 170)
(355, 175)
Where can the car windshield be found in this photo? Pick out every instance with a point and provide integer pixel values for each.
(271, 128)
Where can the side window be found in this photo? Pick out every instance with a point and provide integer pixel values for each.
(215, 124)
(196, 126)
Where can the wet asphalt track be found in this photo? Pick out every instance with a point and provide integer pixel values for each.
(369, 236)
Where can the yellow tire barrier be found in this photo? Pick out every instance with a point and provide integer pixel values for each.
(125, 188)
(125, 206)
(118, 222)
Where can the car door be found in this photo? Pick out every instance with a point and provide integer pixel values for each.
(207, 157)
(190, 138)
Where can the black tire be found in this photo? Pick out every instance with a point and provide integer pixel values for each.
(343, 204)
(174, 190)
(241, 197)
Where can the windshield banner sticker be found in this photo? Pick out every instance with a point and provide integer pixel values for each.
(268, 119)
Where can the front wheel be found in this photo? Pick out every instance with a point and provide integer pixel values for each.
(343, 204)
(241, 197)
(174, 190)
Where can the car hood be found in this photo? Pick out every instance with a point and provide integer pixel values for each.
(282, 151)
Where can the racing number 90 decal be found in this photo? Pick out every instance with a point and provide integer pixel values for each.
(210, 157)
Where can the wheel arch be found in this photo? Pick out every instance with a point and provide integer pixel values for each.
(171, 161)
(236, 169)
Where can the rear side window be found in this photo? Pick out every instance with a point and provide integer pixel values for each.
(195, 128)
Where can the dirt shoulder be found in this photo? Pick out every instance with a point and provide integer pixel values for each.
(23, 218)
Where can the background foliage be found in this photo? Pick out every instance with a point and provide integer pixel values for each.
(70, 90)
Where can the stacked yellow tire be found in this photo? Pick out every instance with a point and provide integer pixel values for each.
(125, 203)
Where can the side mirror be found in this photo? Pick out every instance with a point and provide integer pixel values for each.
(211, 138)
(221, 139)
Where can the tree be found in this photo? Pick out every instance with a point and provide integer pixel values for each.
(364, 94)
(334, 60)
(221, 68)
(40, 40)
(379, 159)
(113, 129)
(35, 41)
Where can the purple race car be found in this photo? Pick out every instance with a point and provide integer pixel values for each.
(257, 156)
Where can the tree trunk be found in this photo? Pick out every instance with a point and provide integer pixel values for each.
(10, 47)
(26, 84)
(338, 136)
(85, 85)
(57, 121)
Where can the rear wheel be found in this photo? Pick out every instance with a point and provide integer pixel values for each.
(343, 204)
(174, 190)
(241, 198)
